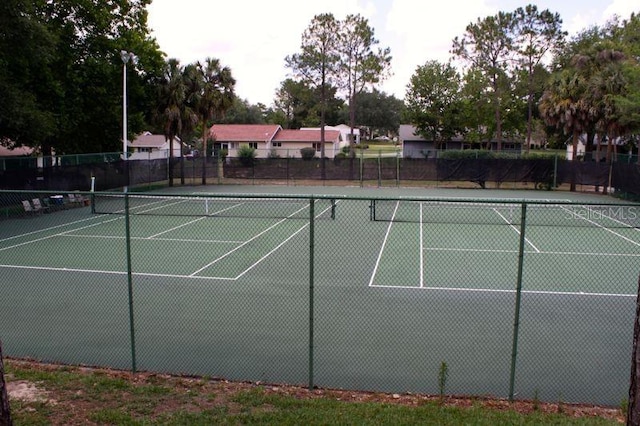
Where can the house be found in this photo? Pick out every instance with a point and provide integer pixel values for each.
(416, 146)
(345, 133)
(18, 158)
(288, 143)
(271, 140)
(148, 146)
(582, 147)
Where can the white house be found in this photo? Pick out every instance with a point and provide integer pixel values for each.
(271, 140)
(345, 133)
(148, 146)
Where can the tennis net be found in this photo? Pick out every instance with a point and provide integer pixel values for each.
(214, 206)
(506, 213)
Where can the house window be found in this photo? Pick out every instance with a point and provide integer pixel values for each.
(317, 146)
(232, 145)
(277, 144)
(144, 149)
(253, 145)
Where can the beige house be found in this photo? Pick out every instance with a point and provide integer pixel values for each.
(271, 140)
(148, 146)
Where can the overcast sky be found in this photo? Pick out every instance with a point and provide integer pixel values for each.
(253, 37)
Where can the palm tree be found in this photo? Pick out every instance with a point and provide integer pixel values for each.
(563, 105)
(211, 92)
(172, 111)
(171, 99)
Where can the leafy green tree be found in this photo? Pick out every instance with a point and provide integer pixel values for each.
(476, 108)
(379, 113)
(294, 99)
(536, 34)
(242, 111)
(359, 65)
(434, 102)
(316, 63)
(60, 71)
(27, 51)
(487, 45)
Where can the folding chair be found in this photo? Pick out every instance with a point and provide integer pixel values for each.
(74, 200)
(28, 208)
(37, 206)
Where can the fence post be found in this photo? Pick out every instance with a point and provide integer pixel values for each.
(633, 409)
(361, 167)
(516, 316)
(555, 171)
(311, 290)
(379, 168)
(129, 281)
(397, 168)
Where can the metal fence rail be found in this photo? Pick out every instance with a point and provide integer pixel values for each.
(519, 298)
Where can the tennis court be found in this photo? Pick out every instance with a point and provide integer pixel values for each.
(374, 293)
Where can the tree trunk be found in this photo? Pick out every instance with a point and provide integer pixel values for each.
(5, 413)
(633, 409)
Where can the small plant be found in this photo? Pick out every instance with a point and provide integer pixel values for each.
(307, 153)
(624, 406)
(443, 374)
(560, 404)
(247, 155)
(536, 401)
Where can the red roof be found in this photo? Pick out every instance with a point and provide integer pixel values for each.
(244, 132)
(306, 136)
(20, 151)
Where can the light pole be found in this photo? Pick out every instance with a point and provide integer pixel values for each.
(126, 57)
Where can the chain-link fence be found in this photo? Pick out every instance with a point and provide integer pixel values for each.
(110, 172)
(518, 299)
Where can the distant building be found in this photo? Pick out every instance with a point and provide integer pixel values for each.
(271, 140)
(148, 146)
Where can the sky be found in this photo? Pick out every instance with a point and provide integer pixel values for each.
(253, 37)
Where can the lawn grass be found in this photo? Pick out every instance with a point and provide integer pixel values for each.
(74, 396)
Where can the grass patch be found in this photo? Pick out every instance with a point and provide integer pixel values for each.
(77, 396)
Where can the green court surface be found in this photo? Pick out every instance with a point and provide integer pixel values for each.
(263, 293)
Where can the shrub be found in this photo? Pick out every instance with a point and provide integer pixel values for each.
(246, 155)
(307, 153)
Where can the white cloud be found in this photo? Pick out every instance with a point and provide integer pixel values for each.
(422, 31)
(253, 37)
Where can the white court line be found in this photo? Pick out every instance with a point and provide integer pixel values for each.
(384, 243)
(177, 240)
(57, 235)
(567, 253)
(488, 290)
(515, 229)
(98, 271)
(605, 228)
(246, 242)
(306, 225)
(51, 227)
(194, 221)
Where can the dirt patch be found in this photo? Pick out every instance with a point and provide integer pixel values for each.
(28, 392)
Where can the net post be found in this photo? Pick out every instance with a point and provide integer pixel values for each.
(311, 284)
(516, 316)
(130, 281)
